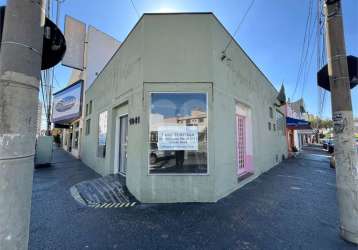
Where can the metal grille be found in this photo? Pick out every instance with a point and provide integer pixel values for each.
(241, 150)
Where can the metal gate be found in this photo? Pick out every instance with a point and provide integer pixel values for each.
(241, 144)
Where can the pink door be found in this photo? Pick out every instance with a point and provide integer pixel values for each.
(241, 144)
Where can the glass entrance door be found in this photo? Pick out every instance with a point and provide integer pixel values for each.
(123, 142)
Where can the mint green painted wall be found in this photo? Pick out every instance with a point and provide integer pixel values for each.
(236, 78)
(182, 53)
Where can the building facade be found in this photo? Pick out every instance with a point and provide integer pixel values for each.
(182, 121)
(298, 129)
(98, 50)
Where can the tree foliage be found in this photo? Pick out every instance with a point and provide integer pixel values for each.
(319, 123)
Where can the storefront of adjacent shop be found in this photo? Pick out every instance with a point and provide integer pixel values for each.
(181, 124)
(67, 106)
(298, 129)
(298, 133)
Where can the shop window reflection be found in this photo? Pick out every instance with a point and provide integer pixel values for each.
(178, 133)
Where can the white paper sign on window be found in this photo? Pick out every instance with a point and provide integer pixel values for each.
(178, 138)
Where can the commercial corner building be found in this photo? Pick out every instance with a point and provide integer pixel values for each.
(180, 119)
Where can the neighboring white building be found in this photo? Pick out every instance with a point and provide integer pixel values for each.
(99, 48)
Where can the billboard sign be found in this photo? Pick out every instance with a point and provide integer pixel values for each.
(100, 49)
(75, 35)
(67, 103)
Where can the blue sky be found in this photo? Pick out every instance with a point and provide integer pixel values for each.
(271, 35)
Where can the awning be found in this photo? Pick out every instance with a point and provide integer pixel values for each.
(293, 123)
(65, 126)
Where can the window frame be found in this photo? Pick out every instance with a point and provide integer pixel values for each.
(283, 129)
(76, 140)
(103, 156)
(149, 102)
(86, 112)
(90, 104)
(88, 128)
(271, 112)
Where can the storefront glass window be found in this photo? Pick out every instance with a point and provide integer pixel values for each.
(102, 134)
(178, 133)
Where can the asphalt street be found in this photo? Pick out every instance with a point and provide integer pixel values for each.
(292, 206)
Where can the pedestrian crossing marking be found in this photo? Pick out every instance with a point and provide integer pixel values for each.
(112, 205)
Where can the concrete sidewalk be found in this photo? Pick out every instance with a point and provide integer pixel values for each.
(293, 206)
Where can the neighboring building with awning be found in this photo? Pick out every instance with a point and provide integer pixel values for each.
(298, 124)
(298, 129)
(89, 51)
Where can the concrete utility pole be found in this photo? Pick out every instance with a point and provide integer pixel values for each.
(51, 72)
(20, 66)
(345, 152)
(49, 84)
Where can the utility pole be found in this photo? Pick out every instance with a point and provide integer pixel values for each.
(49, 84)
(20, 67)
(51, 72)
(345, 152)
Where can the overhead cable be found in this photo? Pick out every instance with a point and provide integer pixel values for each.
(238, 27)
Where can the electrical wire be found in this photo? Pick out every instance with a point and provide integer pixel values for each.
(135, 9)
(318, 38)
(305, 47)
(307, 65)
(43, 96)
(321, 56)
(239, 25)
(308, 69)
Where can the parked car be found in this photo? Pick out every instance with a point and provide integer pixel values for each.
(332, 163)
(330, 146)
(325, 143)
(159, 155)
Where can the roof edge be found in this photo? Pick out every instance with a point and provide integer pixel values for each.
(181, 13)
(237, 44)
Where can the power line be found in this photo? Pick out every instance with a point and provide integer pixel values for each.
(307, 65)
(44, 101)
(238, 27)
(135, 9)
(321, 55)
(304, 49)
(319, 62)
(308, 69)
